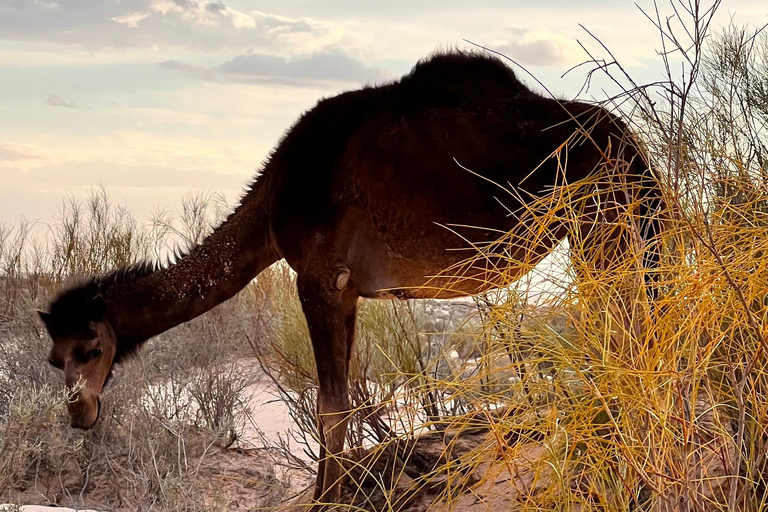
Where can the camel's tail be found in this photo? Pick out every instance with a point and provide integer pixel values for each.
(652, 213)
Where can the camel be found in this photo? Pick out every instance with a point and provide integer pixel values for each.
(366, 196)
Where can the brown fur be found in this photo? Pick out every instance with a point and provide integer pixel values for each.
(356, 198)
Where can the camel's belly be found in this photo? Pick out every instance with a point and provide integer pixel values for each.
(419, 279)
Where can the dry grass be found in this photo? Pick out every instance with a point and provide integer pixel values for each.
(598, 401)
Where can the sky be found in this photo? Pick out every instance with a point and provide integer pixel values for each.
(156, 98)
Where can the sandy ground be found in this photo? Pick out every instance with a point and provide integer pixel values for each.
(439, 472)
(269, 418)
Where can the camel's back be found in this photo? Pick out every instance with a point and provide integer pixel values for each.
(307, 157)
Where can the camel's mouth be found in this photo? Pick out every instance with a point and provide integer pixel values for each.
(79, 422)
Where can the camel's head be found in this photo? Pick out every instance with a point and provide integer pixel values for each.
(84, 347)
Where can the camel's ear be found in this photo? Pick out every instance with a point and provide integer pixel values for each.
(97, 308)
(44, 316)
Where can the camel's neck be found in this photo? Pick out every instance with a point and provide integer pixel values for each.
(226, 261)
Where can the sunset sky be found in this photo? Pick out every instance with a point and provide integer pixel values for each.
(155, 98)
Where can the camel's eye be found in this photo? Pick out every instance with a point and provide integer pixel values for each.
(92, 354)
(84, 357)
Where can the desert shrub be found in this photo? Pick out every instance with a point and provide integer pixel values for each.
(634, 405)
(136, 457)
(161, 438)
(168, 415)
(32, 427)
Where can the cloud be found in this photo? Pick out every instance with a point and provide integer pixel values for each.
(131, 20)
(149, 176)
(189, 71)
(196, 24)
(57, 101)
(539, 47)
(330, 67)
(18, 153)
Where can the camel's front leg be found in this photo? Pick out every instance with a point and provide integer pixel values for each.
(330, 314)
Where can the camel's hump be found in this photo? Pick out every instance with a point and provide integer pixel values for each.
(464, 70)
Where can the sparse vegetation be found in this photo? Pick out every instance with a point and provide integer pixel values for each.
(167, 416)
(570, 405)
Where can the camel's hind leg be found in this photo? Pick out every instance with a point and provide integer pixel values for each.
(608, 251)
(331, 317)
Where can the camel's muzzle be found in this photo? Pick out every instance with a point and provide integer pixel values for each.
(83, 417)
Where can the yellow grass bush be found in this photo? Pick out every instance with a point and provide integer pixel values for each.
(599, 398)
